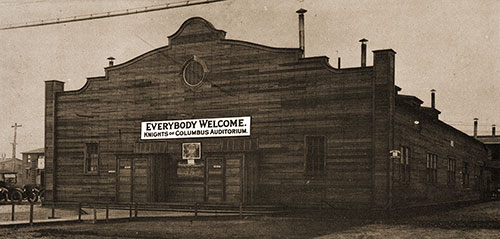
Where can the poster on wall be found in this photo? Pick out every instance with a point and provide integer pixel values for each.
(196, 128)
(191, 151)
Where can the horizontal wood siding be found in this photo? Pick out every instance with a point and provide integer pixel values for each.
(286, 97)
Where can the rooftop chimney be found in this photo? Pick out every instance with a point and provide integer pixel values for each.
(111, 60)
(475, 127)
(302, 38)
(493, 130)
(363, 52)
(433, 98)
(339, 62)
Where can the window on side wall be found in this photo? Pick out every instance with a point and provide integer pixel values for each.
(315, 154)
(452, 168)
(432, 168)
(465, 174)
(404, 165)
(91, 158)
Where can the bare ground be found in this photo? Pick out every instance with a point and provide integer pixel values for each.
(477, 221)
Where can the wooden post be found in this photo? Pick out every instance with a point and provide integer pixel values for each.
(53, 213)
(95, 216)
(31, 214)
(107, 212)
(13, 211)
(79, 211)
(195, 209)
(135, 210)
(241, 210)
(130, 211)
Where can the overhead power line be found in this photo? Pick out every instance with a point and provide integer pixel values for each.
(118, 13)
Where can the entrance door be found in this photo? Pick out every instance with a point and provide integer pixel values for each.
(133, 179)
(216, 183)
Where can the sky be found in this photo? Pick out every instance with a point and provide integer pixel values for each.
(447, 45)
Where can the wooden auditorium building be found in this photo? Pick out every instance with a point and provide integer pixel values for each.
(211, 120)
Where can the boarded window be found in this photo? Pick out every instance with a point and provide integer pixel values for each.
(431, 168)
(404, 164)
(452, 168)
(315, 155)
(91, 158)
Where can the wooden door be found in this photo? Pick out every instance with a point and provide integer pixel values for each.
(140, 180)
(133, 179)
(124, 180)
(215, 179)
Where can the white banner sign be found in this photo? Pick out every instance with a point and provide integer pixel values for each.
(41, 162)
(196, 128)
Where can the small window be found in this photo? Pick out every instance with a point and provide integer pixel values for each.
(404, 164)
(315, 155)
(92, 158)
(465, 174)
(452, 168)
(432, 168)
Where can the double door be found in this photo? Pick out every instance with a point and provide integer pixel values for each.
(134, 183)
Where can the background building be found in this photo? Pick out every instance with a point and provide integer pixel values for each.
(34, 165)
(207, 119)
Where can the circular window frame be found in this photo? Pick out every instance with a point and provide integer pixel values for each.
(194, 59)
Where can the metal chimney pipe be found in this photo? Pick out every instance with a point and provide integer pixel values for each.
(302, 38)
(363, 52)
(433, 98)
(475, 127)
(111, 59)
(339, 63)
(493, 129)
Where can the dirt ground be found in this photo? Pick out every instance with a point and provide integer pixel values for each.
(477, 221)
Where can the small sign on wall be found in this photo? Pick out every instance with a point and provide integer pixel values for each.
(191, 151)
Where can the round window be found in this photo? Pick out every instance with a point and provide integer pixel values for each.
(193, 73)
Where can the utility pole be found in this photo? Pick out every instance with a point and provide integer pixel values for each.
(15, 126)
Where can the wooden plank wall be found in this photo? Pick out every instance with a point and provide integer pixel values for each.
(433, 136)
(287, 98)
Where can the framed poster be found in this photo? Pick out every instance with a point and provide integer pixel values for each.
(191, 151)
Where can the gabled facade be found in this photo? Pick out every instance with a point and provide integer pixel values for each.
(316, 136)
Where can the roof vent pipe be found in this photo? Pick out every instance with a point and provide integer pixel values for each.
(433, 98)
(111, 60)
(363, 52)
(493, 130)
(302, 37)
(475, 127)
(339, 62)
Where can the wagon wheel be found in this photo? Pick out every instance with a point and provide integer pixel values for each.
(16, 196)
(3, 196)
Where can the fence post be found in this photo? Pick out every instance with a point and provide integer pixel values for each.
(31, 214)
(53, 213)
(195, 209)
(241, 210)
(135, 210)
(107, 212)
(130, 211)
(13, 211)
(94, 221)
(79, 211)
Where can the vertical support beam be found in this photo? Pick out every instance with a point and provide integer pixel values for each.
(384, 95)
(51, 90)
